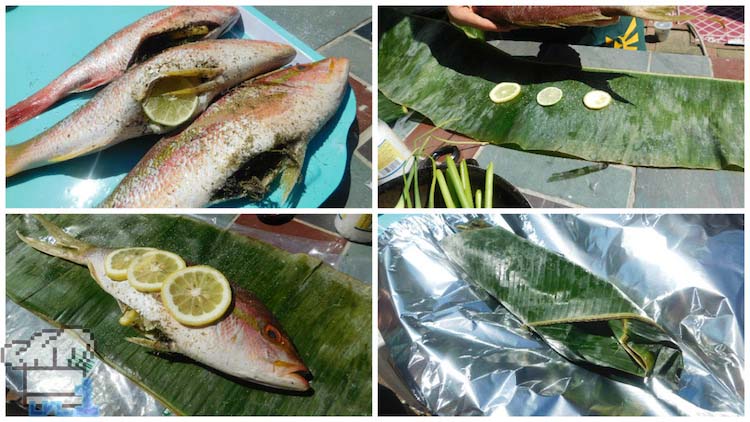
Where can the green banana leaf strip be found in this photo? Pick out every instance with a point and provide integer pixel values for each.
(326, 313)
(584, 318)
(654, 120)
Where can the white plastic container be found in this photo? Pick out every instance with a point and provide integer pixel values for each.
(393, 155)
(662, 30)
(354, 227)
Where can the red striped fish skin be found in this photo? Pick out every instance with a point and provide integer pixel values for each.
(562, 16)
(111, 59)
(115, 113)
(279, 111)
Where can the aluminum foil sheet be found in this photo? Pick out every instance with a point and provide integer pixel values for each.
(457, 351)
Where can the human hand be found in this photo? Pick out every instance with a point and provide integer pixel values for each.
(464, 16)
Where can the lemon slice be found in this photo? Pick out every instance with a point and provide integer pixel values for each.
(549, 96)
(170, 110)
(197, 295)
(117, 262)
(504, 92)
(596, 99)
(148, 272)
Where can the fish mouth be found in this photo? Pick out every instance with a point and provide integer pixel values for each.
(297, 374)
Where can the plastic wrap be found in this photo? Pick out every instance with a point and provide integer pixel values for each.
(456, 351)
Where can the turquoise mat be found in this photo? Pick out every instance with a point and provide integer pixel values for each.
(42, 42)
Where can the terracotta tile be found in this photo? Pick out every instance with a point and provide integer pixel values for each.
(363, 94)
(293, 228)
(417, 137)
(467, 151)
(728, 68)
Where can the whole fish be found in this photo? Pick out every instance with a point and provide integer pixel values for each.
(144, 38)
(115, 113)
(248, 342)
(562, 16)
(241, 143)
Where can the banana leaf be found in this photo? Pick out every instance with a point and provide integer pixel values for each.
(654, 120)
(586, 319)
(326, 313)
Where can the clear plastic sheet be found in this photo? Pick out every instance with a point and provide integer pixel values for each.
(456, 351)
(113, 392)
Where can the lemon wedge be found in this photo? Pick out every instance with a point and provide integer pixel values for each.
(549, 96)
(148, 272)
(117, 262)
(196, 296)
(596, 100)
(166, 109)
(504, 92)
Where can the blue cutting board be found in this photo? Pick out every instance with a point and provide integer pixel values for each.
(42, 42)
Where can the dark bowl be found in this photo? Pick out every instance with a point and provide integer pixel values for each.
(505, 195)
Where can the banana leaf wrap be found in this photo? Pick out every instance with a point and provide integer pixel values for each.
(586, 319)
(326, 313)
(654, 120)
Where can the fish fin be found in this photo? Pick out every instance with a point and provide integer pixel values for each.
(199, 89)
(65, 246)
(156, 345)
(92, 83)
(129, 318)
(71, 155)
(289, 179)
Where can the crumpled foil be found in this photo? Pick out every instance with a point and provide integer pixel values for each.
(457, 351)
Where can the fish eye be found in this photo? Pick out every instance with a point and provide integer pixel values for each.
(272, 333)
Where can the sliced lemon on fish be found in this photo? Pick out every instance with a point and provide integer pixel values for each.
(196, 296)
(117, 262)
(148, 272)
(549, 96)
(504, 92)
(596, 100)
(167, 109)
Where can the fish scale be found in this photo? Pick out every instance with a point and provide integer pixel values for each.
(237, 344)
(115, 113)
(111, 58)
(281, 111)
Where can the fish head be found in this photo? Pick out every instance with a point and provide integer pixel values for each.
(271, 358)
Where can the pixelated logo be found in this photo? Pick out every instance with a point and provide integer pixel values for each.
(54, 368)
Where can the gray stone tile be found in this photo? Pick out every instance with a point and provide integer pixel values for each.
(680, 64)
(355, 49)
(539, 202)
(681, 188)
(517, 48)
(317, 25)
(608, 188)
(598, 57)
(613, 58)
(365, 31)
(360, 194)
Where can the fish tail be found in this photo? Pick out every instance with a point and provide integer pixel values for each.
(63, 246)
(69, 82)
(660, 13)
